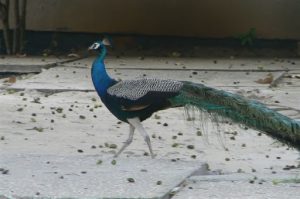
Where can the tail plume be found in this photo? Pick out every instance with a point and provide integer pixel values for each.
(240, 110)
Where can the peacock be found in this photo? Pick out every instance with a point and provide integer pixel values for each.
(133, 101)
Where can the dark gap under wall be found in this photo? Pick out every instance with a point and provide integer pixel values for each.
(62, 43)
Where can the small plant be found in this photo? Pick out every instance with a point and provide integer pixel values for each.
(247, 38)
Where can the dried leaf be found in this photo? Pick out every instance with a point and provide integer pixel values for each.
(12, 79)
(267, 80)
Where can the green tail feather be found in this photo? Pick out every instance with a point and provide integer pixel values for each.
(240, 110)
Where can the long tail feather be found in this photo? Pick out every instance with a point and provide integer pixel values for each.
(240, 110)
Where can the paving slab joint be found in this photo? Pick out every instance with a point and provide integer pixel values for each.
(202, 170)
(51, 65)
(277, 80)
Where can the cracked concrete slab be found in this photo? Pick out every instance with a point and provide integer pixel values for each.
(187, 63)
(58, 176)
(23, 65)
(72, 78)
(66, 126)
(30, 60)
(66, 122)
(241, 185)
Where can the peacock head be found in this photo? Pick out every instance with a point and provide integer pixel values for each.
(99, 45)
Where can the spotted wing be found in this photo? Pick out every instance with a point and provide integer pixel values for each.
(142, 92)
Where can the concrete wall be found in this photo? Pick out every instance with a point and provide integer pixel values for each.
(201, 18)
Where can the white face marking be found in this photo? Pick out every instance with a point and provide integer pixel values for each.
(95, 46)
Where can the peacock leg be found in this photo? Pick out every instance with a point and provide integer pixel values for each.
(138, 125)
(128, 141)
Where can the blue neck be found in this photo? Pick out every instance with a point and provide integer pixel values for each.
(100, 77)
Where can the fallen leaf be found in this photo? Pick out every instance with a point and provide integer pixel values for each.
(21, 55)
(267, 80)
(11, 80)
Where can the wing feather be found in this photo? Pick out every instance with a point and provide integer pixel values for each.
(143, 91)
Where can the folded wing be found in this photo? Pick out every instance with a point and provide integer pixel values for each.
(140, 93)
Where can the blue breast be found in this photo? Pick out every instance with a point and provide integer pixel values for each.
(101, 79)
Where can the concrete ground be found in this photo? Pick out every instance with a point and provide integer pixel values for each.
(57, 140)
